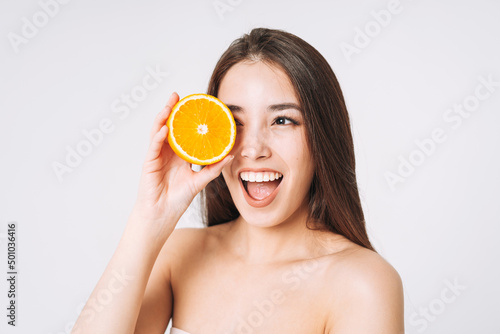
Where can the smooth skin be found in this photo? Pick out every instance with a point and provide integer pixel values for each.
(264, 272)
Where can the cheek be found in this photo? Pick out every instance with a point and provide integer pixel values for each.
(226, 173)
(304, 162)
(298, 149)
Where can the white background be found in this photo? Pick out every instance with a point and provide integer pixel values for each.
(438, 227)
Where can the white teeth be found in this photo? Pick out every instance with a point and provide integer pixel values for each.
(260, 177)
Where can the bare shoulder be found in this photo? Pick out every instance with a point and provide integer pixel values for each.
(346, 259)
(366, 287)
(368, 269)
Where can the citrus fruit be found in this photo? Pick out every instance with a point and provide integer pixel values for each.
(202, 130)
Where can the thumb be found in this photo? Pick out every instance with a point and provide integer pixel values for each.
(210, 172)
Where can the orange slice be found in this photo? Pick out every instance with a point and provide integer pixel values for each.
(202, 130)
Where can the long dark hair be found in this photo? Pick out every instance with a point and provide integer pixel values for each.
(333, 197)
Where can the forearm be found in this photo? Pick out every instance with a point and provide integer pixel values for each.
(114, 305)
(167, 188)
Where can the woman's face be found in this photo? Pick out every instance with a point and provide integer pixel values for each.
(270, 142)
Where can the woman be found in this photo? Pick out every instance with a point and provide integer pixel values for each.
(285, 250)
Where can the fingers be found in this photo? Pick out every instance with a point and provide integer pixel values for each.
(210, 172)
(162, 117)
(157, 143)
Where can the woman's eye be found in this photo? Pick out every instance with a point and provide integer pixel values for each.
(284, 121)
(281, 120)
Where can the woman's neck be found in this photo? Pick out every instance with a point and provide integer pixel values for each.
(287, 241)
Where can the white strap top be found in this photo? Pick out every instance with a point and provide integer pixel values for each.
(177, 331)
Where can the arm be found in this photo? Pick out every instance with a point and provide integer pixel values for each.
(157, 306)
(167, 187)
(114, 304)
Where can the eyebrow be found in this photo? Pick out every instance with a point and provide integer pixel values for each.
(271, 108)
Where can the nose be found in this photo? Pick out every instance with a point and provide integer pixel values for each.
(254, 145)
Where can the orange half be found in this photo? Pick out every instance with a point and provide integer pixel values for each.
(202, 130)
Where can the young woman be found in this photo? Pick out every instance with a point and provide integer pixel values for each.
(285, 250)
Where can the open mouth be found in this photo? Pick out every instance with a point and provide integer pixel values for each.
(260, 185)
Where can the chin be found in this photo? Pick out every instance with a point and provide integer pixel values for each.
(259, 220)
(269, 217)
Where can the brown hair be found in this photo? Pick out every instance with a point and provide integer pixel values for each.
(333, 197)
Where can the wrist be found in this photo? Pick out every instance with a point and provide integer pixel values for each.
(149, 229)
(154, 216)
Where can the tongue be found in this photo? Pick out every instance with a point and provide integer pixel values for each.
(261, 190)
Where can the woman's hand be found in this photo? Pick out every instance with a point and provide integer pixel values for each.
(168, 184)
